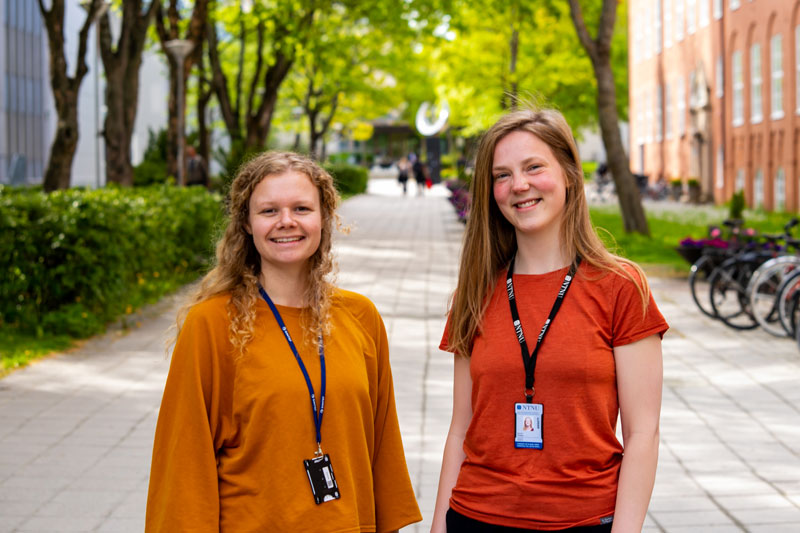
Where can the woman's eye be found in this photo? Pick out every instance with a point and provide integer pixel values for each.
(533, 168)
(500, 175)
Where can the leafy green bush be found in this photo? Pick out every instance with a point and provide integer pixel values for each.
(736, 206)
(350, 179)
(77, 259)
(589, 168)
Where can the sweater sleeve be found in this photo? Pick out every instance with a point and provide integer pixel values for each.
(395, 503)
(183, 493)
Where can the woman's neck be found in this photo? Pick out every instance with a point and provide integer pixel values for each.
(539, 254)
(285, 287)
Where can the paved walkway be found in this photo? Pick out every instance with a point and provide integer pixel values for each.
(76, 429)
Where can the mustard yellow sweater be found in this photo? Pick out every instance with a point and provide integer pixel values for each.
(232, 432)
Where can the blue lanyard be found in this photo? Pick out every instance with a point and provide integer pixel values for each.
(317, 414)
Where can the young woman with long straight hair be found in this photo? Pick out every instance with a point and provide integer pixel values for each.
(546, 324)
(278, 412)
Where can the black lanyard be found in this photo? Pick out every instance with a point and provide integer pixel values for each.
(529, 361)
(317, 414)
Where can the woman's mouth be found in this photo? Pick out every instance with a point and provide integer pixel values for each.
(284, 240)
(527, 203)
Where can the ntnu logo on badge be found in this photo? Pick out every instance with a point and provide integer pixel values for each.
(510, 289)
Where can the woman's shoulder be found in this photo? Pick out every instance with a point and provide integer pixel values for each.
(357, 305)
(213, 308)
(354, 302)
(622, 274)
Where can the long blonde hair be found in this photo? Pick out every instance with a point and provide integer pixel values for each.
(238, 263)
(490, 240)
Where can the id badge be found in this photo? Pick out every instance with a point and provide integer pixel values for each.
(320, 475)
(528, 425)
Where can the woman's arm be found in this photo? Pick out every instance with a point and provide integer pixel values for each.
(454, 446)
(639, 379)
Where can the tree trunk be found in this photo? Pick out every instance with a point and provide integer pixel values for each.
(117, 139)
(122, 64)
(599, 51)
(628, 195)
(62, 151)
(65, 91)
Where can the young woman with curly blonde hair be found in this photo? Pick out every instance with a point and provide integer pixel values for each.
(266, 337)
(546, 324)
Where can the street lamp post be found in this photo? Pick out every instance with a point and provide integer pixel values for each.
(179, 49)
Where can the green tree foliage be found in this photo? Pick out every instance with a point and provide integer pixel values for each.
(491, 50)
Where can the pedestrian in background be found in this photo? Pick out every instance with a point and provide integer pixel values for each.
(196, 169)
(267, 336)
(403, 166)
(532, 266)
(420, 175)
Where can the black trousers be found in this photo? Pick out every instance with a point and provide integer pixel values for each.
(458, 523)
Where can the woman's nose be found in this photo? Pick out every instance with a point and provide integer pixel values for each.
(286, 218)
(518, 182)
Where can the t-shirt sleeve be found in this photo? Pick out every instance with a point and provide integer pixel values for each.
(395, 503)
(444, 343)
(183, 493)
(629, 323)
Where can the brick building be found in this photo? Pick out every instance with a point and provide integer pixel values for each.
(715, 95)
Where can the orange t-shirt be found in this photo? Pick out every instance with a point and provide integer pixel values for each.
(572, 481)
(232, 432)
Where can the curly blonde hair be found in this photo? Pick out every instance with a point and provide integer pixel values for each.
(490, 240)
(238, 263)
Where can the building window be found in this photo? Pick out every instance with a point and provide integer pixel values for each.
(658, 34)
(703, 16)
(681, 96)
(740, 180)
(756, 112)
(738, 89)
(640, 119)
(717, 9)
(720, 167)
(668, 112)
(776, 60)
(648, 117)
(735, 4)
(720, 81)
(780, 190)
(691, 16)
(679, 20)
(758, 189)
(797, 68)
(659, 113)
(667, 6)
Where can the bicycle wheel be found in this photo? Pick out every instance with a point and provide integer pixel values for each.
(698, 283)
(728, 294)
(763, 292)
(789, 302)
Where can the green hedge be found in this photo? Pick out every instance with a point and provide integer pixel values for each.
(78, 259)
(350, 179)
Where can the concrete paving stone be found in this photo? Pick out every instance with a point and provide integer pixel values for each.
(788, 515)
(122, 525)
(19, 507)
(9, 523)
(67, 523)
(682, 503)
(727, 528)
(790, 527)
(700, 519)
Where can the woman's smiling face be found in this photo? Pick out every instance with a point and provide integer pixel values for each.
(285, 220)
(529, 184)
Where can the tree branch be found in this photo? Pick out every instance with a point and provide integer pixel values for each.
(580, 27)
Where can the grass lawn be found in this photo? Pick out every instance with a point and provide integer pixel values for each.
(16, 348)
(668, 226)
